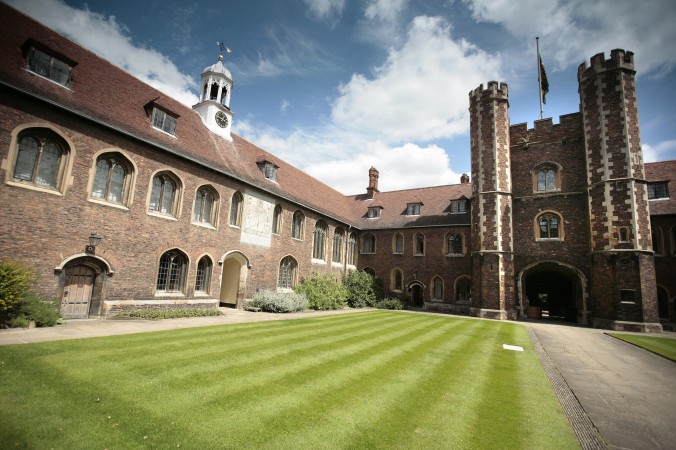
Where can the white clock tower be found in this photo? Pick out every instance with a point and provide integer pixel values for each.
(214, 104)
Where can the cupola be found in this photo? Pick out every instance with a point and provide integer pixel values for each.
(214, 103)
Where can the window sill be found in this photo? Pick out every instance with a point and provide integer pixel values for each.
(164, 294)
(297, 239)
(318, 261)
(367, 253)
(102, 202)
(338, 265)
(34, 187)
(419, 254)
(208, 226)
(163, 132)
(454, 255)
(162, 216)
(48, 79)
(549, 240)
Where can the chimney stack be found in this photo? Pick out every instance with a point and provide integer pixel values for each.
(373, 183)
(464, 178)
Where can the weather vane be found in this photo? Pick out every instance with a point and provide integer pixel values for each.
(222, 47)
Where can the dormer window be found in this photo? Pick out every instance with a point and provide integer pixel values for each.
(269, 169)
(658, 190)
(458, 206)
(48, 66)
(374, 212)
(413, 209)
(164, 121)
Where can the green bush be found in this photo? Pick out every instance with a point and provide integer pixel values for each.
(168, 313)
(279, 302)
(363, 289)
(323, 292)
(42, 311)
(15, 282)
(391, 303)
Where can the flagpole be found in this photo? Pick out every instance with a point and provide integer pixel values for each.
(537, 45)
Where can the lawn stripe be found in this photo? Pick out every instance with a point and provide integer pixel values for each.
(362, 415)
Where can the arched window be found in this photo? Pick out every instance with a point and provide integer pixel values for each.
(454, 244)
(172, 271)
(419, 242)
(396, 281)
(297, 225)
(370, 271)
(657, 241)
(236, 209)
(164, 195)
(351, 249)
(203, 278)
(277, 220)
(437, 289)
(463, 290)
(673, 240)
(338, 237)
(41, 159)
(398, 244)
(550, 226)
(319, 241)
(368, 243)
(111, 182)
(206, 206)
(287, 273)
(546, 178)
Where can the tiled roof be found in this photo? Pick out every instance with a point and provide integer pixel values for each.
(663, 171)
(435, 209)
(110, 96)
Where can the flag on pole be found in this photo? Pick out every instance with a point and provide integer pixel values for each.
(544, 82)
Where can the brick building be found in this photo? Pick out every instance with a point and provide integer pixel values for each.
(557, 217)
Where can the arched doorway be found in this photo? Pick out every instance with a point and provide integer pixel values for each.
(559, 289)
(81, 285)
(663, 309)
(416, 295)
(233, 279)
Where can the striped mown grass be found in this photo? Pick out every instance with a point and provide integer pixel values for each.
(663, 346)
(376, 379)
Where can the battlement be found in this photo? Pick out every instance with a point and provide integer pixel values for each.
(493, 90)
(619, 59)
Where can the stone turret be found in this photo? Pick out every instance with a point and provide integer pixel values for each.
(623, 276)
(492, 244)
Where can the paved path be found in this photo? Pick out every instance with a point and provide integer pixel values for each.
(87, 328)
(628, 393)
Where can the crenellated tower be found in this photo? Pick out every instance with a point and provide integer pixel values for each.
(492, 242)
(623, 286)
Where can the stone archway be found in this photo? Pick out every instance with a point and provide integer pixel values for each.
(235, 267)
(416, 294)
(558, 288)
(82, 285)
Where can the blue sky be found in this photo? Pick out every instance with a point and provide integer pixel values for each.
(337, 86)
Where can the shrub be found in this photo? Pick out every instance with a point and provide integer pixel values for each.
(42, 311)
(391, 303)
(363, 289)
(15, 281)
(279, 302)
(168, 313)
(323, 292)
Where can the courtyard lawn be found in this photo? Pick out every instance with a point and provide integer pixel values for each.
(378, 379)
(661, 345)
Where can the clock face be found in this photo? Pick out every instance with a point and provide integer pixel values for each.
(221, 119)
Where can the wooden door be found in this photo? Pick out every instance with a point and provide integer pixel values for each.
(77, 292)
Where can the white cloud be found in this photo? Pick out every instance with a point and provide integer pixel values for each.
(284, 105)
(572, 30)
(109, 39)
(665, 150)
(325, 9)
(420, 92)
(385, 10)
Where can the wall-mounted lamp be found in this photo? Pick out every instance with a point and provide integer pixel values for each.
(94, 240)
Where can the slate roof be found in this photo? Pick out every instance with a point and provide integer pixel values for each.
(663, 171)
(435, 209)
(110, 96)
